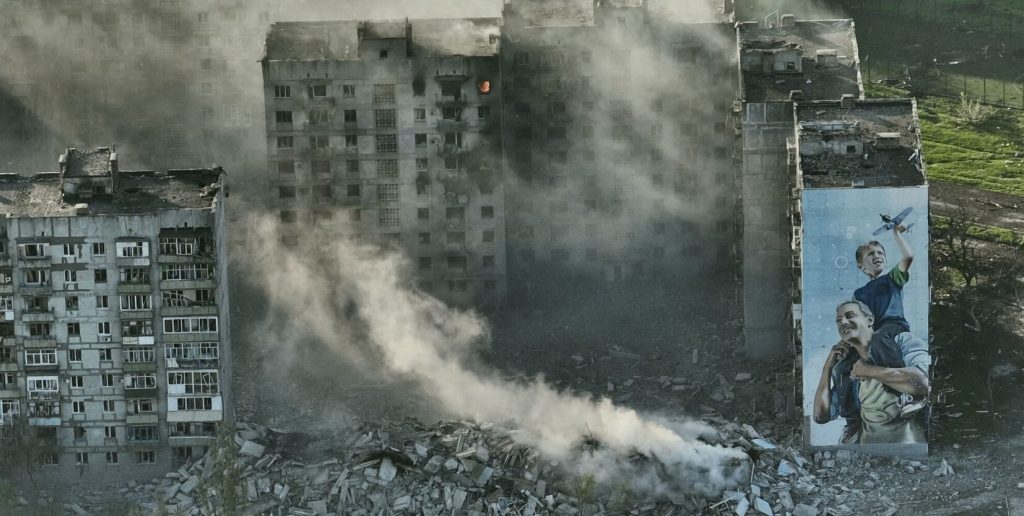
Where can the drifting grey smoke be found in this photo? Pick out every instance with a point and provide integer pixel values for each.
(356, 301)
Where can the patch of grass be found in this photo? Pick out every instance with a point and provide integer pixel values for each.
(988, 155)
(983, 232)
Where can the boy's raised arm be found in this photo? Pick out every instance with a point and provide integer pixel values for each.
(908, 257)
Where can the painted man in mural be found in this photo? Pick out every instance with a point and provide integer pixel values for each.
(892, 373)
(883, 294)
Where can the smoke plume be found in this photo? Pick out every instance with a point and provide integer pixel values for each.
(358, 303)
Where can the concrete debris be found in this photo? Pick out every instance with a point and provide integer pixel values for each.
(462, 468)
(943, 470)
(253, 449)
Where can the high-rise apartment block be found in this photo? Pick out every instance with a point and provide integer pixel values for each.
(113, 314)
(781, 63)
(619, 146)
(389, 132)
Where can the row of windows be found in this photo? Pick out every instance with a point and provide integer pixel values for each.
(455, 262)
(460, 286)
(133, 275)
(132, 249)
(383, 143)
(382, 118)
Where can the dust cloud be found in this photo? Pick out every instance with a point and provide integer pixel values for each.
(359, 303)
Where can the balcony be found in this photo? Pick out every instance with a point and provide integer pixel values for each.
(141, 393)
(139, 367)
(138, 340)
(190, 440)
(444, 101)
(135, 261)
(142, 419)
(136, 314)
(37, 316)
(40, 341)
(36, 368)
(134, 288)
(187, 258)
(446, 125)
(169, 311)
(36, 289)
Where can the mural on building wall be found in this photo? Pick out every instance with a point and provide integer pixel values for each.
(865, 315)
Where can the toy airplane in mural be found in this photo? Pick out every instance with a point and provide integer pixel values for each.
(891, 222)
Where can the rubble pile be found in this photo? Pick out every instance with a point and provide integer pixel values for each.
(465, 468)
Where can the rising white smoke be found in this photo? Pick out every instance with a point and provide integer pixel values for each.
(356, 301)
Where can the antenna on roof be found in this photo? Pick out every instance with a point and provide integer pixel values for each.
(768, 16)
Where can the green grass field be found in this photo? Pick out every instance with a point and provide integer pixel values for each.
(989, 155)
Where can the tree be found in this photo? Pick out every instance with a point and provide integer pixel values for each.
(25, 447)
(978, 284)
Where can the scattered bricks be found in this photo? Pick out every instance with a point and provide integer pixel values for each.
(251, 492)
(485, 476)
(742, 507)
(401, 503)
(77, 509)
(743, 377)
(803, 488)
(433, 465)
(421, 449)
(844, 454)
(541, 489)
(318, 506)
(171, 491)
(943, 470)
(451, 465)
(763, 506)
(252, 449)
(785, 468)
(263, 484)
(804, 510)
(281, 491)
(786, 500)
(189, 485)
(458, 499)
(387, 470)
(482, 454)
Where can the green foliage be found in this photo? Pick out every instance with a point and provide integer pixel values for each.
(584, 488)
(973, 112)
(223, 490)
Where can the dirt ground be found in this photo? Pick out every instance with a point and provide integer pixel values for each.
(982, 206)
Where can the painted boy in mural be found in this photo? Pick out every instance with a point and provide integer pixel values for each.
(891, 374)
(883, 295)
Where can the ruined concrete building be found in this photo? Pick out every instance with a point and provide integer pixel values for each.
(620, 157)
(781, 63)
(113, 315)
(388, 132)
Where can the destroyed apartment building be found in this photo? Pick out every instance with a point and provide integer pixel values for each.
(115, 355)
(388, 132)
(518, 154)
(858, 187)
(780, 63)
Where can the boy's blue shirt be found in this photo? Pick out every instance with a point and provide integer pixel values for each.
(884, 296)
